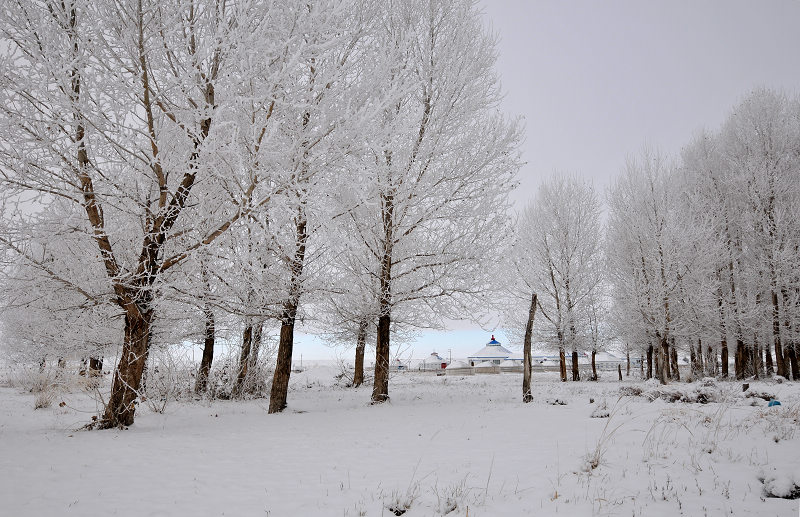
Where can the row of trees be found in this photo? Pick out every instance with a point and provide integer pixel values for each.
(697, 255)
(168, 166)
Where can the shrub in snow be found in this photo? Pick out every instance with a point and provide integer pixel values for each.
(601, 411)
(44, 398)
(785, 485)
(779, 422)
(701, 394)
(630, 391)
(759, 394)
(400, 503)
(452, 498)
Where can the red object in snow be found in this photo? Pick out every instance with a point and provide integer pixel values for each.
(444, 365)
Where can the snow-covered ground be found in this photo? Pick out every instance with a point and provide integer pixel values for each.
(457, 445)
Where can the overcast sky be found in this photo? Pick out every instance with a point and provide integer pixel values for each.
(595, 80)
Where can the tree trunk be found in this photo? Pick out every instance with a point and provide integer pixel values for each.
(380, 386)
(208, 353)
(255, 349)
(699, 353)
(619, 371)
(676, 374)
(768, 360)
(741, 360)
(594, 366)
(712, 366)
(361, 345)
(95, 366)
(627, 363)
(755, 359)
(121, 406)
(776, 333)
(576, 376)
(244, 362)
(724, 358)
(283, 365)
(527, 396)
(663, 361)
(792, 360)
(641, 367)
(650, 361)
(562, 363)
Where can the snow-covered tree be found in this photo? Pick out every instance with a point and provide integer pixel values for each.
(557, 255)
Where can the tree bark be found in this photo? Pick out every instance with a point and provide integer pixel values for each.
(711, 362)
(527, 396)
(594, 367)
(283, 365)
(576, 376)
(663, 361)
(741, 360)
(792, 360)
(676, 374)
(724, 358)
(208, 352)
(627, 363)
(361, 345)
(244, 361)
(768, 360)
(776, 334)
(95, 366)
(121, 407)
(255, 350)
(562, 364)
(700, 362)
(380, 386)
(758, 362)
(650, 361)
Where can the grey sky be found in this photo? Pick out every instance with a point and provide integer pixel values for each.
(597, 80)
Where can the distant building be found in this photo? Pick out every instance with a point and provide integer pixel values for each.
(432, 362)
(493, 353)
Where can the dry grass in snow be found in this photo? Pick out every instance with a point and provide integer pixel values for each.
(441, 446)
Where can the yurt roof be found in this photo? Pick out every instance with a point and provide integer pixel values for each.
(491, 352)
(433, 359)
(457, 364)
(508, 362)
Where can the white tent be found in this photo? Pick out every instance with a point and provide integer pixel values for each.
(432, 362)
(493, 352)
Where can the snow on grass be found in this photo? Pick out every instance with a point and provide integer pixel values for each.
(441, 446)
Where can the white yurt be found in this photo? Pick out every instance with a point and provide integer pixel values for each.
(432, 363)
(511, 366)
(459, 368)
(487, 367)
(493, 352)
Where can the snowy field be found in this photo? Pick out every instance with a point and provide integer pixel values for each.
(443, 445)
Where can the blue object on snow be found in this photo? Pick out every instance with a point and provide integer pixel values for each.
(773, 402)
